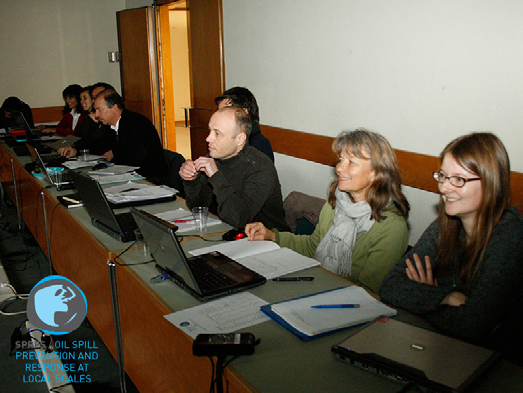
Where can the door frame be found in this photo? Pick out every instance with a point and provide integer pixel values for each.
(206, 65)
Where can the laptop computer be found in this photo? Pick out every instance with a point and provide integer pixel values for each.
(409, 354)
(31, 137)
(64, 142)
(120, 226)
(206, 276)
(66, 182)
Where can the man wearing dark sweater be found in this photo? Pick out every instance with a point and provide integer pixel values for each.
(242, 179)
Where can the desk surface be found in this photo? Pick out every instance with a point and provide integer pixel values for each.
(157, 355)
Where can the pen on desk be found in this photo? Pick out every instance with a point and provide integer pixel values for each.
(293, 279)
(336, 306)
(129, 189)
(159, 278)
(181, 221)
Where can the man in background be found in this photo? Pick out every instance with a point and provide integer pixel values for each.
(242, 97)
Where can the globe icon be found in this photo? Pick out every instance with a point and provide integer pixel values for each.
(56, 305)
(52, 299)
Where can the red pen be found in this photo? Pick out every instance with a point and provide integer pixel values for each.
(181, 221)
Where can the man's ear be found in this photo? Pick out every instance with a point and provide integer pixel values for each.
(241, 138)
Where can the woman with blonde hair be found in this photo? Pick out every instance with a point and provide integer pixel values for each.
(465, 272)
(362, 229)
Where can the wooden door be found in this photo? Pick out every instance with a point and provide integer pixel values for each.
(134, 37)
(207, 67)
(139, 77)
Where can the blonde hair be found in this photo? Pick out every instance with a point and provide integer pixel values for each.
(386, 185)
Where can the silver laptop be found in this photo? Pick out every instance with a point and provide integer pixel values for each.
(205, 276)
(409, 354)
(66, 141)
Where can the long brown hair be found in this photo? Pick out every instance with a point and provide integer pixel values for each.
(386, 185)
(483, 154)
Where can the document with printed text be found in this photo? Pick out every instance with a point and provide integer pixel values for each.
(224, 315)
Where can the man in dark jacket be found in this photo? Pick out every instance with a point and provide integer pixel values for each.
(136, 141)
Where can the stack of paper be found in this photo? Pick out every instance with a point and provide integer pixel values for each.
(123, 178)
(301, 318)
(76, 164)
(130, 192)
(264, 257)
(115, 170)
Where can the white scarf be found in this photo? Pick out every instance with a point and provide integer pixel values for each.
(335, 249)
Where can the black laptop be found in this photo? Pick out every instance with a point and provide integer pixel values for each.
(206, 276)
(120, 226)
(31, 137)
(409, 354)
(66, 182)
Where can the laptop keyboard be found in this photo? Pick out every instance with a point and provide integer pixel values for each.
(208, 278)
(66, 177)
(53, 160)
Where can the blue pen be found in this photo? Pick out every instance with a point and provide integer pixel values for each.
(336, 306)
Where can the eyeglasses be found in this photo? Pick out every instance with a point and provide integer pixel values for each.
(456, 181)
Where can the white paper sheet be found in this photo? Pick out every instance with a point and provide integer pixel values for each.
(238, 248)
(264, 257)
(224, 315)
(277, 263)
(130, 191)
(123, 178)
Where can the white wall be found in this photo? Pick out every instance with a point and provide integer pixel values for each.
(419, 72)
(47, 45)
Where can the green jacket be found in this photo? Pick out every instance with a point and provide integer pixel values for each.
(375, 252)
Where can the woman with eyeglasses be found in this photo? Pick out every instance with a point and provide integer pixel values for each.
(465, 273)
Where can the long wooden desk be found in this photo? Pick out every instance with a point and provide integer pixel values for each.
(157, 356)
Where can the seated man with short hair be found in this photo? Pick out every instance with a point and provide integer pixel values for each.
(243, 180)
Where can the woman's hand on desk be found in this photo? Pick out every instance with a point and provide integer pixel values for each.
(258, 231)
(419, 273)
(45, 129)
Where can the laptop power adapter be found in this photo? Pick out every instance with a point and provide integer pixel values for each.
(231, 344)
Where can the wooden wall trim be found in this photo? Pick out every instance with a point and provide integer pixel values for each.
(416, 169)
(47, 114)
